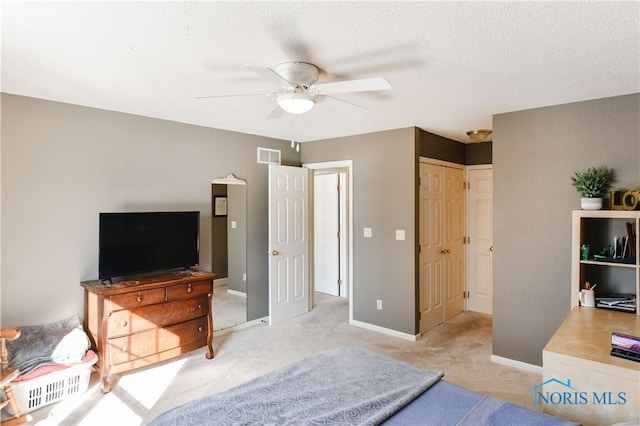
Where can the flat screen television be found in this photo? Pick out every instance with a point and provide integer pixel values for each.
(141, 242)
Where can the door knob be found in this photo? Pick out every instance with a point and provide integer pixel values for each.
(275, 253)
(443, 251)
(491, 248)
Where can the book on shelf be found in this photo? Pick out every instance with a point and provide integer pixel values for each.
(621, 353)
(631, 238)
(618, 302)
(626, 307)
(625, 346)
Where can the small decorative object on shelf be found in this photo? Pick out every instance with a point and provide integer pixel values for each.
(584, 252)
(625, 200)
(587, 296)
(592, 185)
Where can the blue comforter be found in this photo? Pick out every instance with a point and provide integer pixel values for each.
(346, 386)
(351, 386)
(447, 404)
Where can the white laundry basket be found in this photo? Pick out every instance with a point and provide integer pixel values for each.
(52, 387)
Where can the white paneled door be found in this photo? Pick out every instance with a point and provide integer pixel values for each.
(480, 249)
(431, 246)
(326, 235)
(288, 242)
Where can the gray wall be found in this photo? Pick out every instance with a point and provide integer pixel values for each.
(384, 186)
(440, 148)
(478, 153)
(63, 164)
(534, 154)
(237, 237)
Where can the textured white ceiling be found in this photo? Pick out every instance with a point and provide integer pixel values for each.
(452, 64)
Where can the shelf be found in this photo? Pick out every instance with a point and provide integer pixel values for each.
(609, 214)
(602, 263)
(598, 229)
(615, 309)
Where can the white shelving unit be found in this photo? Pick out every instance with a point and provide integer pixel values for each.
(597, 228)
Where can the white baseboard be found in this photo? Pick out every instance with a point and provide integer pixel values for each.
(259, 321)
(516, 364)
(383, 330)
(220, 282)
(388, 331)
(236, 293)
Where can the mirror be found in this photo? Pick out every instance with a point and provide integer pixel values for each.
(229, 251)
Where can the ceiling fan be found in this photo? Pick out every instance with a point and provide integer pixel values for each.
(299, 89)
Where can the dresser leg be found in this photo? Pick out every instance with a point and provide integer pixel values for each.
(106, 385)
(210, 353)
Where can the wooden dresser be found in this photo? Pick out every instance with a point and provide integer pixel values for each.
(138, 321)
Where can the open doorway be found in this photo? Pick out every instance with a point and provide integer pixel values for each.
(331, 225)
(329, 232)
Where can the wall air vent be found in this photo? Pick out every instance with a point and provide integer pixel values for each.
(268, 156)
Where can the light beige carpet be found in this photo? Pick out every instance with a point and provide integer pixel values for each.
(461, 348)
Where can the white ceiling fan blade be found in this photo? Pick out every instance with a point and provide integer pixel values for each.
(362, 108)
(271, 75)
(349, 86)
(275, 113)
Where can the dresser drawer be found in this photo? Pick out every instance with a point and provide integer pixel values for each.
(151, 342)
(183, 291)
(137, 298)
(154, 316)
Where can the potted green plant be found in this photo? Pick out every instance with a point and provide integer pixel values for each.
(592, 185)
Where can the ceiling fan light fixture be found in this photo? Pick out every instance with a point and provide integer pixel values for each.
(479, 135)
(296, 103)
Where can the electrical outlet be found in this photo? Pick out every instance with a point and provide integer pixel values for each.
(379, 304)
(400, 234)
(367, 232)
(244, 276)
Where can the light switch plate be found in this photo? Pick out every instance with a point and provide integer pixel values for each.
(400, 234)
(234, 225)
(367, 232)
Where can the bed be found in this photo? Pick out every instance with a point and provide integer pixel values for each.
(367, 389)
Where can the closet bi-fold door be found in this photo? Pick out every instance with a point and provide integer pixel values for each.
(454, 226)
(431, 246)
(441, 265)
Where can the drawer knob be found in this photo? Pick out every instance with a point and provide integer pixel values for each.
(201, 328)
(199, 305)
(123, 323)
(189, 289)
(139, 297)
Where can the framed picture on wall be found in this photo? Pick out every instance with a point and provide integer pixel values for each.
(219, 206)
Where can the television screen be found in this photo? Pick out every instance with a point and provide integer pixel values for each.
(135, 243)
